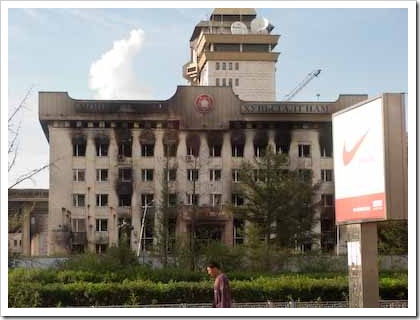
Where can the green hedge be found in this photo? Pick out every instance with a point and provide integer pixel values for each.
(52, 288)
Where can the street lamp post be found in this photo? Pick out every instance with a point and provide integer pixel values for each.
(142, 231)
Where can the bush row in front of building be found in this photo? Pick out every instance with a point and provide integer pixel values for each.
(81, 291)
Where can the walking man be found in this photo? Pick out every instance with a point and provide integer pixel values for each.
(222, 295)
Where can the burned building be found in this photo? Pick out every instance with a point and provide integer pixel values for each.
(115, 159)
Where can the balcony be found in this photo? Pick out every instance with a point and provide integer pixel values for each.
(78, 238)
(101, 237)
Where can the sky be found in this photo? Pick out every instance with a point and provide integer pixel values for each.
(122, 52)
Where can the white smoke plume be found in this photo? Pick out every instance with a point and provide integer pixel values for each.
(112, 76)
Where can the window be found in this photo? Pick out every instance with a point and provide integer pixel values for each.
(78, 174)
(79, 149)
(304, 150)
(102, 149)
(237, 200)
(79, 200)
(172, 175)
(147, 150)
(326, 175)
(215, 151)
(217, 65)
(230, 65)
(100, 248)
(147, 174)
(217, 82)
(101, 175)
(124, 149)
(236, 65)
(305, 174)
(224, 82)
(215, 199)
(169, 150)
(125, 174)
(327, 200)
(192, 174)
(78, 225)
(230, 82)
(101, 225)
(147, 198)
(260, 175)
(235, 175)
(224, 65)
(101, 200)
(172, 200)
(215, 174)
(192, 199)
(237, 150)
(259, 151)
(124, 200)
(236, 82)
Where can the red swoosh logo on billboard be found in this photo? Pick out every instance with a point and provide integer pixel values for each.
(348, 155)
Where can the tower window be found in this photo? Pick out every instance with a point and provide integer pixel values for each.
(217, 65)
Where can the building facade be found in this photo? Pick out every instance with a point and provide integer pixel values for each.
(114, 161)
(28, 221)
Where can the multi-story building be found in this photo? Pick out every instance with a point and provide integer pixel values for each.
(113, 160)
(28, 221)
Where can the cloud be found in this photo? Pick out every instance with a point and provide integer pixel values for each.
(113, 77)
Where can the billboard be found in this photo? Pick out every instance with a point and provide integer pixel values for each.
(370, 170)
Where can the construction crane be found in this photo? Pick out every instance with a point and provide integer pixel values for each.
(301, 85)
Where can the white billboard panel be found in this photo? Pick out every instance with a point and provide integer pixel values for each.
(359, 168)
(370, 160)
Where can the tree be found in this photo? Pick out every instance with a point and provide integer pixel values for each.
(393, 237)
(278, 201)
(14, 130)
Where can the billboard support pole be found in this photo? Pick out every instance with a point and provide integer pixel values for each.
(362, 250)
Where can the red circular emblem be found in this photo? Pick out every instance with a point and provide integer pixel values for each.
(204, 103)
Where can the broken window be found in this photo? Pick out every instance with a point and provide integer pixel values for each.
(238, 143)
(79, 146)
(192, 199)
(101, 175)
(192, 174)
(102, 145)
(237, 200)
(193, 145)
(147, 174)
(215, 142)
(304, 150)
(124, 200)
(147, 143)
(215, 174)
(125, 174)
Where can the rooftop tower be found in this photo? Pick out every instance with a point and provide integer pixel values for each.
(234, 48)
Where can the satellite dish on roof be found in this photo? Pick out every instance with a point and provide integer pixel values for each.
(238, 27)
(259, 24)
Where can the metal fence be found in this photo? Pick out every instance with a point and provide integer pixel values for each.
(273, 304)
